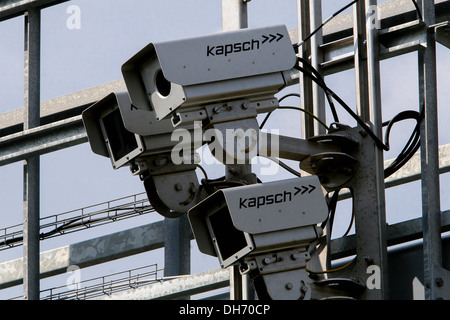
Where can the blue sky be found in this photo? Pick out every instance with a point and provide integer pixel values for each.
(111, 31)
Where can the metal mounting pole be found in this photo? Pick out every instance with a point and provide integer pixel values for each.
(234, 17)
(431, 211)
(234, 14)
(177, 247)
(31, 290)
(368, 191)
(316, 59)
(304, 51)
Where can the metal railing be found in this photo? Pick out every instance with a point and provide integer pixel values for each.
(80, 219)
(105, 285)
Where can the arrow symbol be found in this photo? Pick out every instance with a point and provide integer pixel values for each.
(273, 37)
(304, 189)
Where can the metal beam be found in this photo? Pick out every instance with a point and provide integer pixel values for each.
(12, 8)
(431, 208)
(411, 171)
(234, 14)
(177, 288)
(394, 41)
(42, 140)
(60, 108)
(88, 253)
(31, 168)
(368, 187)
(177, 248)
(396, 234)
(391, 13)
(400, 33)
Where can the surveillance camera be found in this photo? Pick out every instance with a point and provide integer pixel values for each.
(132, 136)
(235, 222)
(124, 133)
(266, 230)
(106, 125)
(244, 64)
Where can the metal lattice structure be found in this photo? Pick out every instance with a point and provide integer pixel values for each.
(347, 42)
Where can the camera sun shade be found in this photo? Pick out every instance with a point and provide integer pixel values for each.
(124, 133)
(235, 222)
(106, 130)
(197, 71)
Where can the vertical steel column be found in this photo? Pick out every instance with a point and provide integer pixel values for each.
(431, 211)
(312, 96)
(234, 14)
(304, 51)
(318, 96)
(234, 17)
(368, 190)
(177, 246)
(31, 204)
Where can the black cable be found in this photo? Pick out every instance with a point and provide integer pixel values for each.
(413, 143)
(332, 204)
(411, 146)
(280, 100)
(289, 95)
(365, 127)
(322, 80)
(417, 9)
(352, 218)
(325, 22)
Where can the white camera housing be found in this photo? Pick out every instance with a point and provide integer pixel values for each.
(242, 64)
(235, 222)
(124, 133)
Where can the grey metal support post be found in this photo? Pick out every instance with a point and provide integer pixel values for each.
(234, 17)
(177, 246)
(431, 223)
(304, 51)
(318, 96)
(368, 191)
(234, 14)
(31, 203)
(313, 96)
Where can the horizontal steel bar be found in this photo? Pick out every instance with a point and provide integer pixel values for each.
(12, 8)
(177, 288)
(400, 33)
(106, 248)
(396, 234)
(411, 171)
(391, 13)
(394, 41)
(61, 108)
(42, 140)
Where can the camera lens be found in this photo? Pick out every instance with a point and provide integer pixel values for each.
(162, 84)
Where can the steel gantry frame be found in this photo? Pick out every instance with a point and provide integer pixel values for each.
(56, 124)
